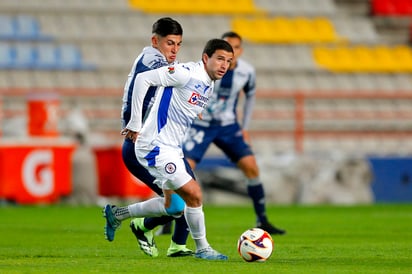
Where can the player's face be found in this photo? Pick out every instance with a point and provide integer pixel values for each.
(218, 64)
(169, 45)
(237, 49)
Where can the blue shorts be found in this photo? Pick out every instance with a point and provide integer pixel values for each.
(141, 173)
(228, 138)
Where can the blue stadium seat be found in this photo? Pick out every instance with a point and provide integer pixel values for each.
(7, 28)
(6, 56)
(70, 58)
(24, 56)
(46, 57)
(28, 28)
(21, 28)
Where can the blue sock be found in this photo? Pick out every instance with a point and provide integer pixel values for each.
(152, 222)
(181, 231)
(257, 194)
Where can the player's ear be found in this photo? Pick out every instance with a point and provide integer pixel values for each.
(155, 41)
(205, 58)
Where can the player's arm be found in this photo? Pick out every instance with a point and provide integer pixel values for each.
(164, 76)
(249, 104)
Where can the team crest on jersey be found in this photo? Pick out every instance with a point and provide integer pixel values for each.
(198, 100)
(171, 70)
(170, 168)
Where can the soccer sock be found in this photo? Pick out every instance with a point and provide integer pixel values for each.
(122, 213)
(181, 231)
(257, 194)
(195, 219)
(152, 222)
(150, 208)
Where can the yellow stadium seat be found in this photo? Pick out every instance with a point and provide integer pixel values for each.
(196, 6)
(286, 30)
(363, 58)
(402, 56)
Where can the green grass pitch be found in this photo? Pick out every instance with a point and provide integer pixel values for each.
(320, 239)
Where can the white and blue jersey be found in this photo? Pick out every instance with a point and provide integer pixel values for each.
(219, 123)
(183, 94)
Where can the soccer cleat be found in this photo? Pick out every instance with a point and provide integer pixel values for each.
(144, 238)
(111, 222)
(271, 229)
(209, 253)
(176, 250)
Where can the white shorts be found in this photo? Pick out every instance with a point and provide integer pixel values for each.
(165, 164)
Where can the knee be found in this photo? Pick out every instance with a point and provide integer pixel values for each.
(176, 206)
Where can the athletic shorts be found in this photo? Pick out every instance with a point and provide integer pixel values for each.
(228, 138)
(140, 172)
(167, 165)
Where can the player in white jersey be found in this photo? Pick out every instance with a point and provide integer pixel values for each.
(165, 44)
(220, 126)
(184, 93)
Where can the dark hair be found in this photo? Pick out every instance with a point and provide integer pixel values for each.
(216, 44)
(231, 34)
(167, 26)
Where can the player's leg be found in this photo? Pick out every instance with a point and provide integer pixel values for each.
(191, 193)
(197, 142)
(232, 143)
(143, 228)
(181, 178)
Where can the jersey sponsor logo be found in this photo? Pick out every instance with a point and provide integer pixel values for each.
(170, 168)
(198, 100)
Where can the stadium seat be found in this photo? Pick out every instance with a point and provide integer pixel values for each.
(361, 58)
(391, 7)
(7, 27)
(286, 30)
(6, 56)
(197, 6)
(23, 56)
(46, 57)
(28, 28)
(70, 58)
(21, 27)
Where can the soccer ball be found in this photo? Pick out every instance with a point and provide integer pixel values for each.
(255, 245)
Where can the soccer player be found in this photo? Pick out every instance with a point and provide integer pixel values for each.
(219, 125)
(166, 42)
(183, 93)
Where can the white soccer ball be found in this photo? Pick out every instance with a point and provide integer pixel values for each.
(255, 245)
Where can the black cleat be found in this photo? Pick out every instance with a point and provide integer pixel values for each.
(271, 229)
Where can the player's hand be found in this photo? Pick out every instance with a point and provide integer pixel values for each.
(246, 136)
(129, 134)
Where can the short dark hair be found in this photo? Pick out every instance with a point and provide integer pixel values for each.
(216, 44)
(231, 34)
(167, 26)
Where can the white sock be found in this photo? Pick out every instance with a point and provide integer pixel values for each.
(195, 219)
(150, 208)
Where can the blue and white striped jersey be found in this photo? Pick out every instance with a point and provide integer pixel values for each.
(150, 58)
(183, 93)
(222, 105)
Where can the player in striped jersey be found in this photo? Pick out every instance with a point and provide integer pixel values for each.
(219, 125)
(166, 42)
(183, 94)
